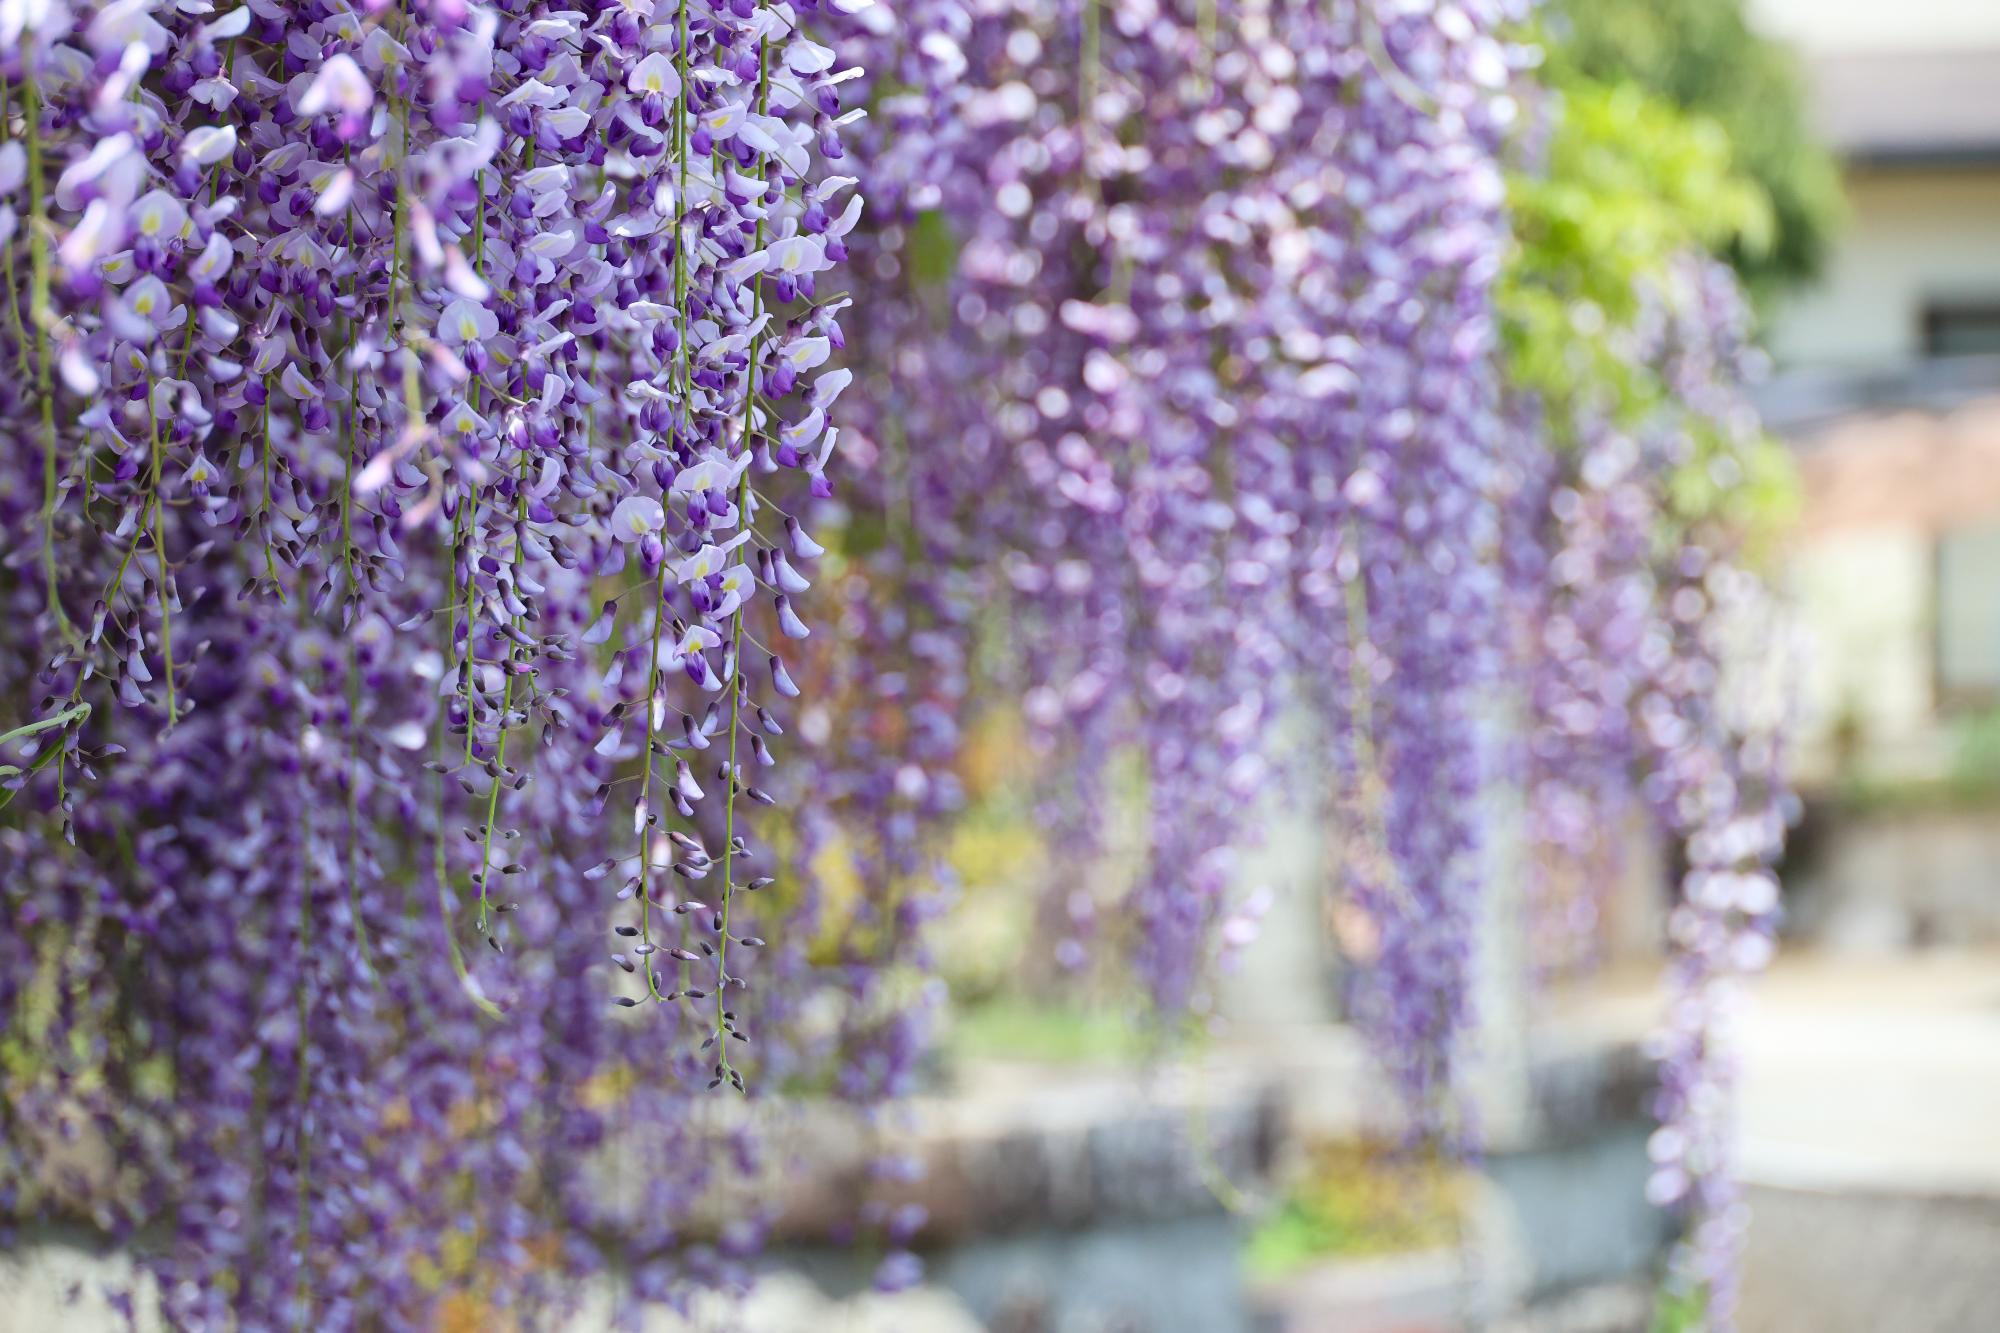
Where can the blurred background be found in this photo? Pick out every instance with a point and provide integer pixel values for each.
(1079, 1179)
(1085, 1175)
(1080, 1173)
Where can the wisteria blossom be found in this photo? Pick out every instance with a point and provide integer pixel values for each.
(393, 463)
(1216, 358)
(441, 764)
(1627, 615)
(1190, 365)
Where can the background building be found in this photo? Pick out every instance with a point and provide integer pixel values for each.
(1887, 371)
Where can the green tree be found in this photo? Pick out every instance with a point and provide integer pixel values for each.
(1703, 58)
(1634, 164)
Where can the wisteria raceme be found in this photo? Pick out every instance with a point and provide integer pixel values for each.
(1268, 291)
(1183, 362)
(420, 409)
(1400, 494)
(1204, 318)
(419, 417)
(1637, 617)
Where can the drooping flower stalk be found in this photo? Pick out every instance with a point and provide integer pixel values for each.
(1178, 368)
(1637, 660)
(377, 315)
(1200, 326)
(1276, 264)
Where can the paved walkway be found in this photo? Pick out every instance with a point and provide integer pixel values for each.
(1856, 1073)
(1881, 1075)
(1870, 1139)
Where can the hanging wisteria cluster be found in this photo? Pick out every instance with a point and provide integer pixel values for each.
(411, 410)
(1637, 617)
(1188, 359)
(1183, 357)
(419, 417)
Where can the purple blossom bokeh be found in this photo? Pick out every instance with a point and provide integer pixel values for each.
(440, 750)
(1634, 619)
(1181, 366)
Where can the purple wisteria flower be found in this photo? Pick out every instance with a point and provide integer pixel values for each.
(1206, 397)
(405, 404)
(1189, 379)
(419, 417)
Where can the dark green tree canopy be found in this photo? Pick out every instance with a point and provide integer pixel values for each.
(1703, 57)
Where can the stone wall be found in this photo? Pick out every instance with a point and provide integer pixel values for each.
(1883, 882)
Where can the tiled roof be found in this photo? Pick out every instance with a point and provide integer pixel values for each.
(1911, 469)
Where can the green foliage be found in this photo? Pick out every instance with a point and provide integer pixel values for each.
(1628, 185)
(1971, 783)
(1978, 757)
(1355, 1201)
(1702, 58)
(1628, 182)
(1680, 1311)
(1010, 1027)
(932, 250)
(1855, 796)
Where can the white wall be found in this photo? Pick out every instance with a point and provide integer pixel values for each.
(1871, 25)
(1912, 236)
(1864, 598)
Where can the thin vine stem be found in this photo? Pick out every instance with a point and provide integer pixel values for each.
(721, 1033)
(38, 315)
(160, 555)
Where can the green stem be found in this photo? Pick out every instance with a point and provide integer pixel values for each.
(729, 828)
(646, 790)
(506, 712)
(736, 647)
(353, 680)
(493, 801)
(445, 913)
(270, 564)
(38, 314)
(7, 255)
(74, 713)
(160, 554)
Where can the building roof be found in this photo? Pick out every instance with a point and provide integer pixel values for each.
(1799, 402)
(1903, 469)
(1908, 106)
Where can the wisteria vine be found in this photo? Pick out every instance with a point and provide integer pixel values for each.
(1210, 324)
(1206, 320)
(1637, 625)
(413, 387)
(419, 418)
